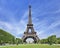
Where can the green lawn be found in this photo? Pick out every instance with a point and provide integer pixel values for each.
(32, 46)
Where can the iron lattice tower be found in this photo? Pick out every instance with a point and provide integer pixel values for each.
(30, 32)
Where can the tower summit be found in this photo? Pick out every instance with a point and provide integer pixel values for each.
(29, 17)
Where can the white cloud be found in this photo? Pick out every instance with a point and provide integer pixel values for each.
(50, 30)
(54, 24)
(15, 28)
(7, 25)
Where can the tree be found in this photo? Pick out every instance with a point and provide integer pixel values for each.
(44, 41)
(6, 37)
(18, 41)
(58, 40)
(52, 39)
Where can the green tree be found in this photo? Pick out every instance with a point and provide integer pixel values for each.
(44, 41)
(52, 39)
(58, 40)
(18, 41)
(6, 37)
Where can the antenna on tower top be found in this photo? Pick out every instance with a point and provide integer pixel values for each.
(29, 2)
(29, 6)
(30, 20)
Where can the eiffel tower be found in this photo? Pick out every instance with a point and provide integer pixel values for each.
(30, 32)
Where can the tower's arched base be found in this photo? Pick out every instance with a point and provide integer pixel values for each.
(30, 35)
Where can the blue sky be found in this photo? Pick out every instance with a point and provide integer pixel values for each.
(45, 17)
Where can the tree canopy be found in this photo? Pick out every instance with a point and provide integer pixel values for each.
(6, 37)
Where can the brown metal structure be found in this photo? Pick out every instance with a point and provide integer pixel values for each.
(30, 33)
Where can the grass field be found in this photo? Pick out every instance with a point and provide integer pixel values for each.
(32, 46)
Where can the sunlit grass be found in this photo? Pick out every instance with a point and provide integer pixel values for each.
(31, 46)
